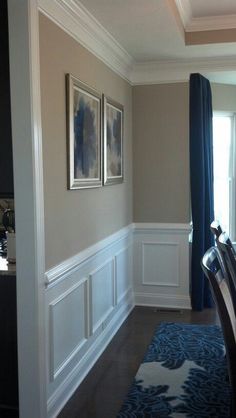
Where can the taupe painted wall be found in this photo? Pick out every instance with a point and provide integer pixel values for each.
(161, 149)
(161, 153)
(77, 219)
(223, 97)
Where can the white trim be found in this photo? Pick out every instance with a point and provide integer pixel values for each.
(88, 310)
(115, 280)
(162, 301)
(97, 325)
(185, 12)
(233, 191)
(55, 373)
(164, 227)
(76, 20)
(158, 243)
(77, 375)
(65, 268)
(29, 204)
(160, 293)
(79, 354)
(76, 365)
(231, 174)
(204, 23)
(172, 71)
(123, 250)
(110, 260)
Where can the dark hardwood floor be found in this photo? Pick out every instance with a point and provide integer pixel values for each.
(102, 392)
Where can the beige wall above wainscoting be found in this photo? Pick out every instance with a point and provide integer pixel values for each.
(76, 219)
(161, 153)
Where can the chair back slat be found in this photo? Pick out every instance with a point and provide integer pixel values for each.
(227, 252)
(214, 270)
(216, 228)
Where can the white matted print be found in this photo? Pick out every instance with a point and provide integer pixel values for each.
(113, 141)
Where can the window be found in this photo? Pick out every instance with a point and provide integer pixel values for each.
(224, 170)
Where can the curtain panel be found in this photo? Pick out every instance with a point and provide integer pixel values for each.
(201, 180)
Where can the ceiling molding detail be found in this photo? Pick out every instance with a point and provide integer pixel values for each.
(185, 12)
(75, 19)
(179, 71)
(198, 24)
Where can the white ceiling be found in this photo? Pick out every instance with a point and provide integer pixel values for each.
(149, 31)
(201, 8)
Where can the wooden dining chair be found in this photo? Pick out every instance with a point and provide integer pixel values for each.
(228, 255)
(214, 270)
(216, 228)
(225, 239)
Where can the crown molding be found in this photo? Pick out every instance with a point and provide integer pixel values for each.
(75, 19)
(205, 23)
(174, 71)
(185, 11)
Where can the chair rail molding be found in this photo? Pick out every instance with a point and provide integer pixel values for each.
(62, 270)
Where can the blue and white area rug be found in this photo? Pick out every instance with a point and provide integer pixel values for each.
(183, 374)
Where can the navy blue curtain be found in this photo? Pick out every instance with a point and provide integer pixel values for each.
(201, 178)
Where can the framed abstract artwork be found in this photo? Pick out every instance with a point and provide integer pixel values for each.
(113, 115)
(83, 135)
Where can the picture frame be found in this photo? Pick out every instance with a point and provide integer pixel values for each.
(113, 122)
(84, 132)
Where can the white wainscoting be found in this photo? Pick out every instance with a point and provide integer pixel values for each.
(161, 265)
(89, 296)
(87, 299)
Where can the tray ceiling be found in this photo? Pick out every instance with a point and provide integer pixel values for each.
(170, 38)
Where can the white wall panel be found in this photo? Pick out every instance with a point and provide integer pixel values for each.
(122, 272)
(68, 326)
(160, 263)
(82, 313)
(102, 293)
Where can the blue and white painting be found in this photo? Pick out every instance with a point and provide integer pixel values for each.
(86, 136)
(113, 143)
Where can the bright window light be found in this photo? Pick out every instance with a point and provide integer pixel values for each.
(223, 155)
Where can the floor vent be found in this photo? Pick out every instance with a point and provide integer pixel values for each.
(166, 310)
